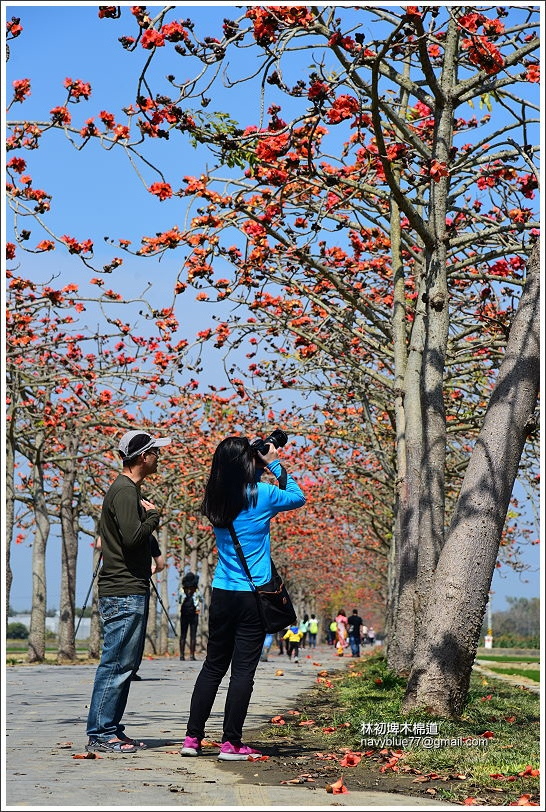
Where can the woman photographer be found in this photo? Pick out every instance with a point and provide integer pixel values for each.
(234, 494)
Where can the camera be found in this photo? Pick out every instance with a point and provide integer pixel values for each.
(277, 438)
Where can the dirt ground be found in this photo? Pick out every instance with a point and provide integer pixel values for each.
(293, 759)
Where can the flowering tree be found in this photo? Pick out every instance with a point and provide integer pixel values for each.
(377, 234)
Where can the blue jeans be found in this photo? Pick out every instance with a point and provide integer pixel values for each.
(124, 627)
(355, 645)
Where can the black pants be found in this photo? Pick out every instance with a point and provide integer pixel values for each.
(293, 648)
(236, 638)
(188, 622)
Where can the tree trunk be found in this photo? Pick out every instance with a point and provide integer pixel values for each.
(164, 626)
(36, 637)
(432, 488)
(447, 646)
(400, 352)
(10, 501)
(95, 630)
(205, 590)
(66, 644)
(402, 639)
(150, 645)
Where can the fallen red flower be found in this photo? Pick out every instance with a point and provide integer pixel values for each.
(530, 771)
(350, 760)
(337, 787)
(86, 755)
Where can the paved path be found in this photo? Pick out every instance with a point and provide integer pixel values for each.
(45, 712)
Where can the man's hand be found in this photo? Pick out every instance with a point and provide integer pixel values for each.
(147, 505)
(158, 564)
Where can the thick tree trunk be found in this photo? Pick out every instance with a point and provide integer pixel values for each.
(432, 497)
(447, 646)
(402, 640)
(432, 475)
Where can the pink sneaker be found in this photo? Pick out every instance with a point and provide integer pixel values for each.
(237, 752)
(191, 747)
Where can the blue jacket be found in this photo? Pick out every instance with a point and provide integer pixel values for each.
(252, 528)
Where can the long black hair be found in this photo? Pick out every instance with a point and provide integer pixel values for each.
(231, 485)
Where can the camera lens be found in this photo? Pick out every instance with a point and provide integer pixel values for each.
(278, 438)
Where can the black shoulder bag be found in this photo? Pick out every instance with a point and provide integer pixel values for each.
(274, 604)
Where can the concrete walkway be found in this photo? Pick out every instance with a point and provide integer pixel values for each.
(45, 713)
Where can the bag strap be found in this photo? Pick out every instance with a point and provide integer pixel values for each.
(282, 480)
(239, 551)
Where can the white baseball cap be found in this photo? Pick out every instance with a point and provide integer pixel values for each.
(134, 443)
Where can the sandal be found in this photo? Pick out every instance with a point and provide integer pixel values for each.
(134, 742)
(113, 746)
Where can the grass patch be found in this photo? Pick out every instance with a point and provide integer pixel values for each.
(489, 754)
(509, 659)
(530, 673)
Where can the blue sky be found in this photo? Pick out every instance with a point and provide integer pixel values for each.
(71, 41)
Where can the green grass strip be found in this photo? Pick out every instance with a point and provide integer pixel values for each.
(520, 672)
(488, 754)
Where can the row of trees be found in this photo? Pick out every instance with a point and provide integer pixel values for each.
(71, 395)
(380, 242)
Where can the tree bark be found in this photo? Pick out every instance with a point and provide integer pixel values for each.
(36, 637)
(446, 649)
(69, 535)
(164, 626)
(150, 645)
(10, 501)
(95, 630)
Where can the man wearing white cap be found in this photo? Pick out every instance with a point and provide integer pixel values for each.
(126, 526)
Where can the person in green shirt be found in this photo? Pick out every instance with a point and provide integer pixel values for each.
(126, 527)
(313, 631)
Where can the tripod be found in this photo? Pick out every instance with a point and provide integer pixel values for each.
(88, 593)
(163, 607)
(91, 587)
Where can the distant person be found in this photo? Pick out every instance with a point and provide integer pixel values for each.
(354, 622)
(293, 638)
(371, 636)
(341, 632)
(126, 525)
(332, 632)
(190, 607)
(313, 631)
(236, 498)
